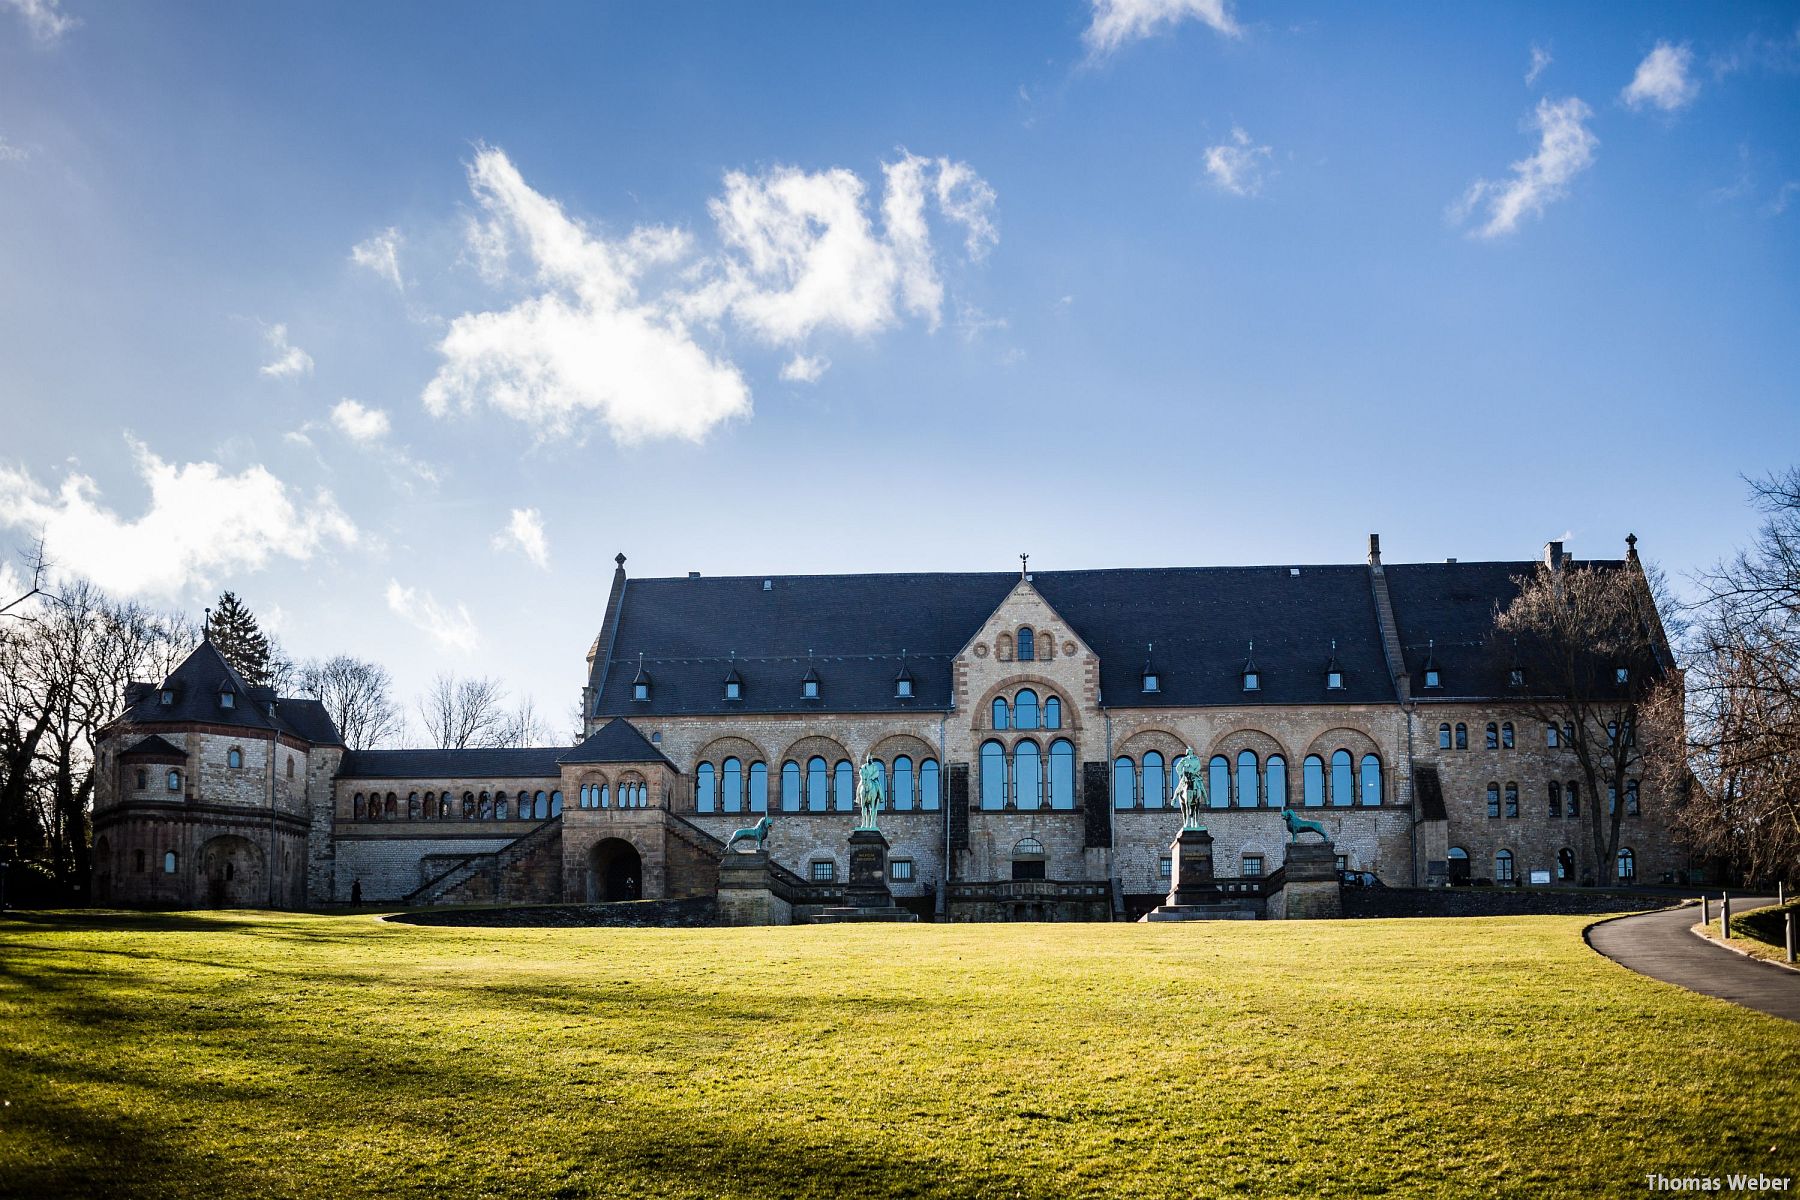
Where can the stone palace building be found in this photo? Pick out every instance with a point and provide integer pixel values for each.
(1026, 724)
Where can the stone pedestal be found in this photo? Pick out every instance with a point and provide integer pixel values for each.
(1311, 890)
(1193, 895)
(866, 894)
(745, 897)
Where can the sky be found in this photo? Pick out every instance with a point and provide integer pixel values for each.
(402, 320)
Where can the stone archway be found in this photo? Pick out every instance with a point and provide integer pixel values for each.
(232, 873)
(615, 871)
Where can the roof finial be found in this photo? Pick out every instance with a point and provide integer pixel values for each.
(620, 559)
(206, 627)
(1631, 546)
(1024, 561)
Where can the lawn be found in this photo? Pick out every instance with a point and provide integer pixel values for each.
(247, 1054)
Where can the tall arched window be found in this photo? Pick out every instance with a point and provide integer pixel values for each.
(1312, 781)
(412, 806)
(731, 785)
(556, 801)
(1371, 779)
(1343, 784)
(1027, 644)
(357, 807)
(1503, 866)
(1052, 713)
(1275, 782)
(759, 787)
(1025, 709)
(1493, 736)
(1062, 774)
(843, 792)
(1462, 736)
(1627, 865)
(1028, 775)
(174, 781)
(484, 807)
(542, 806)
(1555, 799)
(1506, 736)
(234, 758)
(790, 786)
(1218, 782)
(601, 801)
(706, 788)
(1246, 779)
(900, 794)
(169, 862)
(1000, 721)
(1444, 736)
(818, 785)
(993, 775)
(390, 807)
(1124, 782)
(1156, 786)
(1493, 797)
(1572, 794)
(929, 798)
(1512, 799)
(468, 806)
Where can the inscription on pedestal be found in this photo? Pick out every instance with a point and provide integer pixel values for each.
(1191, 869)
(867, 886)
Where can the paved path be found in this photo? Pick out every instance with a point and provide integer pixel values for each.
(1660, 945)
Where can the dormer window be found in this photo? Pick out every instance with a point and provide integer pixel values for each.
(1516, 677)
(640, 683)
(809, 685)
(1252, 681)
(903, 688)
(1334, 680)
(640, 691)
(1152, 681)
(168, 697)
(734, 690)
(1432, 679)
(227, 699)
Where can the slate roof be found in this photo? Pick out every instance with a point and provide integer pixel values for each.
(530, 762)
(154, 747)
(618, 741)
(197, 683)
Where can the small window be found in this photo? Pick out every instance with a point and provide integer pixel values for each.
(640, 691)
(1444, 736)
(822, 871)
(174, 781)
(1551, 738)
(1462, 736)
(1334, 681)
(1555, 800)
(1431, 678)
(1493, 736)
(1506, 736)
(1165, 867)
(734, 690)
(1622, 676)
(1027, 644)
(169, 861)
(903, 690)
(1152, 682)
(168, 697)
(1572, 793)
(1503, 866)
(1343, 862)
(900, 870)
(809, 689)
(1627, 865)
(1253, 866)
(143, 779)
(1516, 677)
(1252, 681)
(1512, 800)
(227, 700)
(234, 758)
(1493, 799)
(1631, 799)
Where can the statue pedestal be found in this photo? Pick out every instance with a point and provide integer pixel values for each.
(1310, 888)
(1193, 895)
(745, 897)
(866, 894)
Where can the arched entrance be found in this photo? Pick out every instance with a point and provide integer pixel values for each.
(615, 871)
(1459, 867)
(231, 873)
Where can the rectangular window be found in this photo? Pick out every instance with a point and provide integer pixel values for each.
(810, 689)
(1165, 867)
(1550, 738)
(1343, 862)
(1493, 798)
(1431, 679)
(1512, 800)
(823, 872)
(1253, 866)
(900, 870)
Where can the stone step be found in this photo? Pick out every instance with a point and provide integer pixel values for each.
(846, 915)
(1200, 912)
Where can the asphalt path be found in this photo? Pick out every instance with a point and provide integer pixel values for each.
(1662, 946)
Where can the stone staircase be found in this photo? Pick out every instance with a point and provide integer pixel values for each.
(783, 882)
(526, 870)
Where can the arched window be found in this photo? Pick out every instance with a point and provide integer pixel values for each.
(1506, 736)
(1052, 713)
(1343, 784)
(1028, 859)
(388, 809)
(1156, 786)
(759, 787)
(602, 800)
(1218, 782)
(1371, 779)
(234, 758)
(790, 786)
(290, 766)
(1025, 709)
(1550, 738)
(900, 792)
(1028, 775)
(1565, 863)
(1492, 736)
(1062, 774)
(485, 807)
(1444, 736)
(928, 785)
(1124, 782)
(1027, 644)
(1493, 798)
(1503, 866)
(1312, 781)
(412, 806)
(1555, 799)
(468, 806)
(1246, 779)
(169, 861)
(1003, 647)
(844, 792)
(1462, 736)
(174, 781)
(993, 775)
(1275, 782)
(430, 809)
(706, 788)
(143, 779)
(818, 785)
(1627, 865)
(1631, 799)
(731, 785)
(1512, 799)
(556, 801)
(357, 808)
(1572, 794)
(1000, 721)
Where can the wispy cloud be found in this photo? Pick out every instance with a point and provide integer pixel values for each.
(380, 253)
(44, 18)
(1565, 149)
(1663, 79)
(358, 423)
(453, 629)
(290, 361)
(1117, 22)
(524, 532)
(1540, 59)
(1784, 196)
(202, 524)
(804, 369)
(1237, 166)
(12, 153)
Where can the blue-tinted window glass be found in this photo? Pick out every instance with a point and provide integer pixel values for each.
(1124, 783)
(790, 786)
(731, 781)
(1312, 781)
(1343, 782)
(1218, 782)
(900, 794)
(844, 791)
(1027, 644)
(705, 788)
(1028, 770)
(1275, 782)
(1052, 713)
(1156, 787)
(1062, 774)
(928, 784)
(818, 784)
(993, 775)
(555, 806)
(1246, 779)
(1371, 779)
(1025, 709)
(1000, 721)
(759, 787)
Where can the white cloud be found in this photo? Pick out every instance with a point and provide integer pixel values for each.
(451, 630)
(380, 254)
(804, 369)
(1237, 166)
(1540, 59)
(12, 153)
(1565, 149)
(1784, 196)
(1117, 22)
(358, 423)
(1662, 79)
(202, 524)
(44, 18)
(525, 533)
(290, 361)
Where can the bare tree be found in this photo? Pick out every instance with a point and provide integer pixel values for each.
(357, 694)
(524, 727)
(1584, 649)
(40, 566)
(463, 713)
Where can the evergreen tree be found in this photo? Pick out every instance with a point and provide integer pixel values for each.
(232, 628)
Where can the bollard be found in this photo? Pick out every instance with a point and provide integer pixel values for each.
(1705, 910)
(1725, 916)
(1780, 893)
(1790, 935)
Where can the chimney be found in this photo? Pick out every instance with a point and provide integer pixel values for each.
(1375, 550)
(1553, 555)
(693, 574)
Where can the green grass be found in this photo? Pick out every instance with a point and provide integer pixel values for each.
(249, 1055)
(1761, 932)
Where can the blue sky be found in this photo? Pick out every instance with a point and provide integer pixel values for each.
(401, 320)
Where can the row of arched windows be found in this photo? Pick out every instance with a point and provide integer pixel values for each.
(1024, 712)
(1026, 646)
(1021, 778)
(1564, 799)
(1498, 736)
(1624, 865)
(629, 793)
(442, 806)
(819, 786)
(1252, 783)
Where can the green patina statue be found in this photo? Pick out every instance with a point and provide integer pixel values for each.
(1298, 825)
(870, 791)
(756, 835)
(1190, 789)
